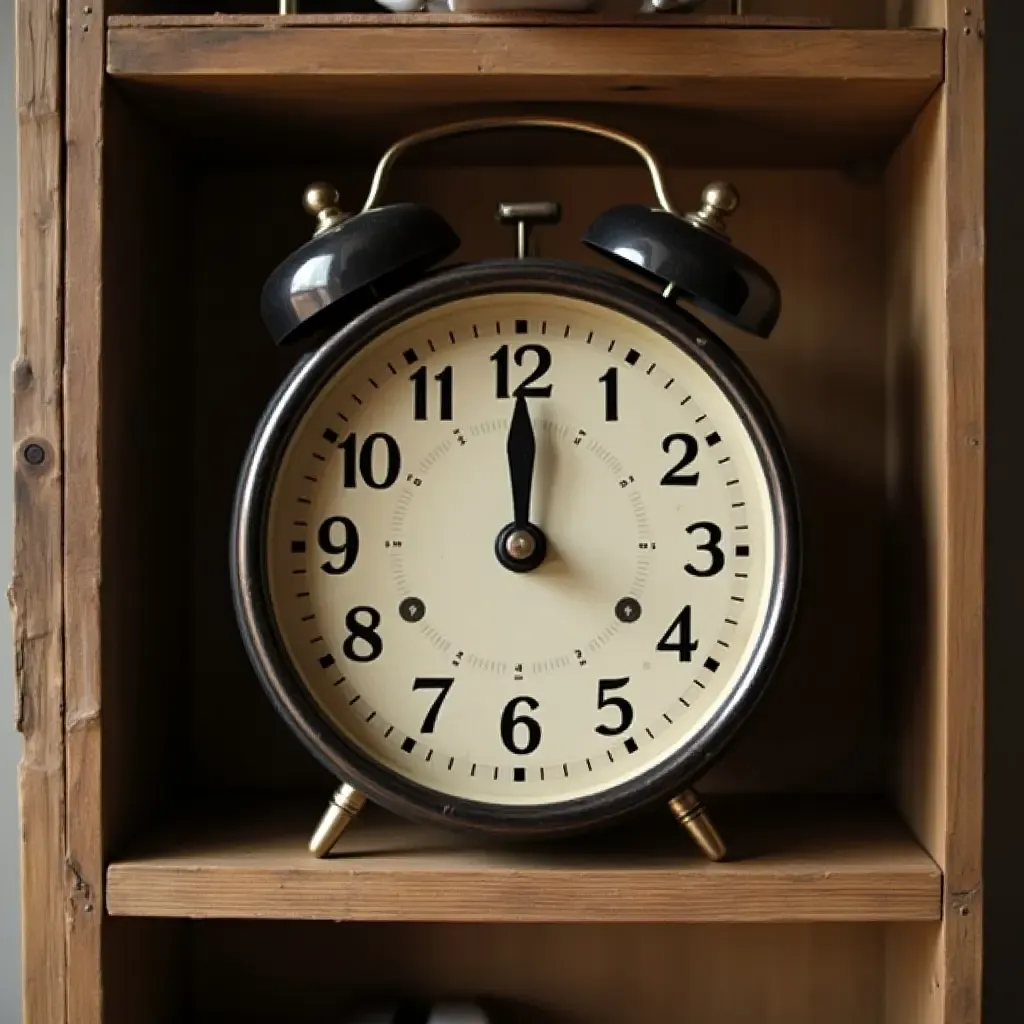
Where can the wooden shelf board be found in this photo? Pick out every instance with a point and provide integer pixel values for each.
(793, 861)
(767, 95)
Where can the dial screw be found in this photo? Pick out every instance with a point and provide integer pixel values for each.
(412, 609)
(719, 201)
(321, 201)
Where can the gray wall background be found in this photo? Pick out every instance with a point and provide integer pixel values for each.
(1004, 891)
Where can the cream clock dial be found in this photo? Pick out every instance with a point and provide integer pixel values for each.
(522, 549)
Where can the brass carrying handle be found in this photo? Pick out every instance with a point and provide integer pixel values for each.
(484, 124)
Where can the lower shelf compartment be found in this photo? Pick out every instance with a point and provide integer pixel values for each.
(790, 861)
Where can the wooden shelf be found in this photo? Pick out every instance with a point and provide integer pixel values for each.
(782, 95)
(804, 862)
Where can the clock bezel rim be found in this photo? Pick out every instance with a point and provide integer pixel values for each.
(282, 681)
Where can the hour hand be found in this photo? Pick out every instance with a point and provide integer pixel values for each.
(522, 454)
(521, 546)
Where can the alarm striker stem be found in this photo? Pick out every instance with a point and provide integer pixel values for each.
(524, 216)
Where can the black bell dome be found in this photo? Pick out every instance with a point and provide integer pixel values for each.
(694, 255)
(350, 264)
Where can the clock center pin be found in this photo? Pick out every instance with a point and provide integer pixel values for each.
(521, 548)
(520, 545)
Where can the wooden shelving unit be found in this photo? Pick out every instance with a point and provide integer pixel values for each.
(157, 191)
(770, 95)
(855, 863)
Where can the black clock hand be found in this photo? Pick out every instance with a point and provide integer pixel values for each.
(522, 454)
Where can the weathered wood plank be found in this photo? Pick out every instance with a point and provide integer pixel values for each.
(35, 593)
(82, 554)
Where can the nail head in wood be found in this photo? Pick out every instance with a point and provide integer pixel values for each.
(35, 453)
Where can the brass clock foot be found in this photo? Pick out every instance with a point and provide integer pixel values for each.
(345, 804)
(690, 812)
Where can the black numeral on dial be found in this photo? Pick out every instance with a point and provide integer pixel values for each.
(678, 636)
(326, 536)
(610, 380)
(528, 388)
(624, 708)
(675, 477)
(362, 635)
(442, 686)
(513, 726)
(419, 393)
(712, 547)
(359, 461)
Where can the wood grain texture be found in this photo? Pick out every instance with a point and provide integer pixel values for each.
(306, 973)
(35, 591)
(83, 592)
(965, 577)
(822, 370)
(938, 320)
(706, 95)
(913, 994)
(831, 862)
(754, 58)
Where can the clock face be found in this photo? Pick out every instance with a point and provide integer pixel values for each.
(396, 538)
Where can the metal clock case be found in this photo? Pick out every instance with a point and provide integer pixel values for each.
(515, 546)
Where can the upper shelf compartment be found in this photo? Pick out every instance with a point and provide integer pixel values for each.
(702, 95)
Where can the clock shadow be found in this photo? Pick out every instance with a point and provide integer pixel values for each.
(822, 724)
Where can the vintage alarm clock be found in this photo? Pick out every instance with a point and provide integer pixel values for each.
(515, 545)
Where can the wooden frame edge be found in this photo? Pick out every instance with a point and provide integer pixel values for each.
(965, 578)
(35, 592)
(84, 124)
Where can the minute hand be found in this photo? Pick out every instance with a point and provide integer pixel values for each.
(522, 453)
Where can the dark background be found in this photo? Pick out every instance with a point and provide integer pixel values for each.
(1004, 835)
